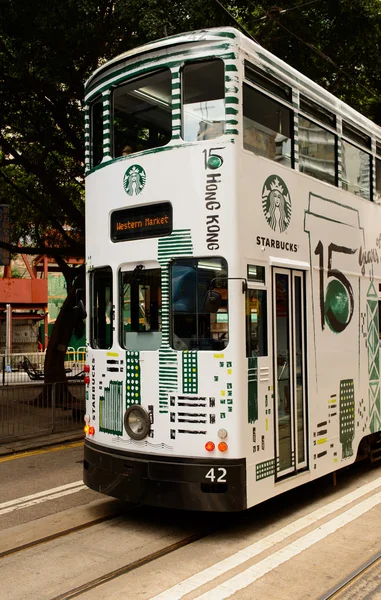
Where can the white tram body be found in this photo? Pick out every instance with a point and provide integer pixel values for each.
(233, 268)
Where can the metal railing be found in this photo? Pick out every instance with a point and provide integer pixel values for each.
(37, 408)
(29, 367)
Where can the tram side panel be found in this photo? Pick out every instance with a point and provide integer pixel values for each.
(294, 221)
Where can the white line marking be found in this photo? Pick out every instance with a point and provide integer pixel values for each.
(249, 576)
(43, 499)
(188, 585)
(41, 495)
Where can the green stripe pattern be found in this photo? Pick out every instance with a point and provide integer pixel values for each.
(106, 97)
(176, 105)
(111, 409)
(179, 243)
(87, 138)
(232, 89)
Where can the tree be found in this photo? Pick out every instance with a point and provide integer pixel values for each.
(47, 51)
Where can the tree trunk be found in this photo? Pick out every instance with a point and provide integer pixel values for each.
(67, 321)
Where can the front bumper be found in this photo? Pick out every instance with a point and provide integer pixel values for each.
(169, 482)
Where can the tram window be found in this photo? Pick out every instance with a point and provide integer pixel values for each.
(356, 170)
(142, 113)
(319, 112)
(96, 132)
(256, 273)
(140, 295)
(317, 151)
(268, 82)
(203, 109)
(356, 135)
(267, 127)
(101, 308)
(193, 327)
(256, 323)
(378, 181)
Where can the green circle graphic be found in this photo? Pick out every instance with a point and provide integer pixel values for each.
(134, 180)
(337, 304)
(214, 162)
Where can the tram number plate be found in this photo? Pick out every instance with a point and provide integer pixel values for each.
(218, 475)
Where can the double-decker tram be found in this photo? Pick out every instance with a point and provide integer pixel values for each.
(233, 226)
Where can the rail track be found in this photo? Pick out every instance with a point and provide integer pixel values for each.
(348, 587)
(132, 566)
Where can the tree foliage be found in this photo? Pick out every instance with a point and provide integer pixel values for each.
(334, 42)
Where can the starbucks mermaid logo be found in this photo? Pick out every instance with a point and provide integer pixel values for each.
(276, 203)
(134, 180)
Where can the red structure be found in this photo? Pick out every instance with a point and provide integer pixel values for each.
(27, 297)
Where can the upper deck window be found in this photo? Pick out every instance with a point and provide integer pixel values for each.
(317, 151)
(203, 106)
(356, 135)
(267, 127)
(356, 170)
(96, 132)
(142, 113)
(319, 112)
(268, 82)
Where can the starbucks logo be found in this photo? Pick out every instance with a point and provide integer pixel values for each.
(276, 203)
(134, 180)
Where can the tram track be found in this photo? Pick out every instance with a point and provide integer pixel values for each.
(346, 585)
(56, 535)
(108, 515)
(133, 566)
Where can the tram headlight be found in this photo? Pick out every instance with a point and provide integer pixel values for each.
(137, 422)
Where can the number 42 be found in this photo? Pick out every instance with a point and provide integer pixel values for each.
(221, 475)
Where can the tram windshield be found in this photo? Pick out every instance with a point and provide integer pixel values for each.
(140, 292)
(142, 113)
(193, 327)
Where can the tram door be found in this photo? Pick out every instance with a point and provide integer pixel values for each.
(289, 371)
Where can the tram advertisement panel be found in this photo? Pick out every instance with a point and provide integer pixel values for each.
(335, 237)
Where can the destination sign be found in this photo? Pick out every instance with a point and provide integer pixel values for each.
(154, 220)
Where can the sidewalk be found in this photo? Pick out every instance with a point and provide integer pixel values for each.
(43, 441)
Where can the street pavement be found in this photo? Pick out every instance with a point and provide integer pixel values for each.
(41, 441)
